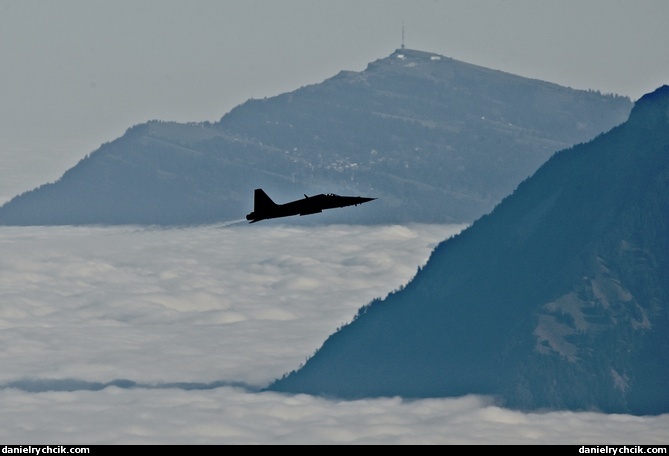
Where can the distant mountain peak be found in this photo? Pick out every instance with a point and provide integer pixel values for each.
(436, 140)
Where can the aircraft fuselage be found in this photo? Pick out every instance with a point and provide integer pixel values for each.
(264, 208)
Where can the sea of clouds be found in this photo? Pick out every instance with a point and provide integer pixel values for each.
(134, 335)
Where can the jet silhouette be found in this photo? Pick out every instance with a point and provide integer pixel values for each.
(264, 208)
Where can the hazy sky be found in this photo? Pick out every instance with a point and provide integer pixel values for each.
(186, 314)
(77, 73)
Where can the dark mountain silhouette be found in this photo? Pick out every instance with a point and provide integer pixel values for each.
(434, 139)
(557, 299)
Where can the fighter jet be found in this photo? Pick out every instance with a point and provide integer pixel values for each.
(264, 208)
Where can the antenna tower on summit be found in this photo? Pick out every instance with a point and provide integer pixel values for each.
(402, 35)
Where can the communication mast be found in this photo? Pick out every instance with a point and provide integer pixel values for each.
(402, 35)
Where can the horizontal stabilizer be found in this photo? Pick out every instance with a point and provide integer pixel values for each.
(315, 211)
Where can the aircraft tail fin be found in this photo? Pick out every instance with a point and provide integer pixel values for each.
(261, 201)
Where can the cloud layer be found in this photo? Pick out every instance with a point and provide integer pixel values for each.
(133, 335)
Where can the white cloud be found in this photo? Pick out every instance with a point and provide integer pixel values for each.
(185, 315)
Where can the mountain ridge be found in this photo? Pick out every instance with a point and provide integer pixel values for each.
(436, 140)
(557, 299)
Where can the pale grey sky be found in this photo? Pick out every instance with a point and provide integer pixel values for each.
(77, 73)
